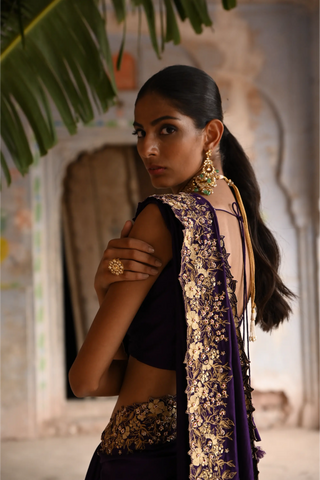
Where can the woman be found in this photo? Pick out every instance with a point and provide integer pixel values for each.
(169, 344)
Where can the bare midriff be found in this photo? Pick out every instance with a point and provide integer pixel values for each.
(142, 382)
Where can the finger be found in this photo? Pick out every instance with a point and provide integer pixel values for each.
(137, 267)
(135, 255)
(128, 277)
(130, 243)
(132, 276)
(126, 229)
(129, 266)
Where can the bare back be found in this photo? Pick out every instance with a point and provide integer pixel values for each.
(222, 201)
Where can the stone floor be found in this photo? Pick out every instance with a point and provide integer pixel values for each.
(292, 454)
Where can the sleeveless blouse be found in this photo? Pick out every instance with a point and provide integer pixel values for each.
(151, 336)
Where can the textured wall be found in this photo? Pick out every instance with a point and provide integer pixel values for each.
(263, 57)
(16, 309)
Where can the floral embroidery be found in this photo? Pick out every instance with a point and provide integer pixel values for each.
(141, 424)
(209, 377)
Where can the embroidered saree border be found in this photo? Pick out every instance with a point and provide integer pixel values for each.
(139, 425)
(207, 288)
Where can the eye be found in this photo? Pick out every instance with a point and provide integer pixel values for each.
(168, 130)
(140, 133)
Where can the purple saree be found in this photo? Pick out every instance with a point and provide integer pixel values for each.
(219, 407)
(215, 429)
(138, 442)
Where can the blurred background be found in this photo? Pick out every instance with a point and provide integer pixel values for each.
(57, 220)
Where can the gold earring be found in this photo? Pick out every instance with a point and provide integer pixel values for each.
(206, 181)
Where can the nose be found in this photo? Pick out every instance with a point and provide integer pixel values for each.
(148, 147)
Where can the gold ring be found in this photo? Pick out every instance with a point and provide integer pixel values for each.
(116, 267)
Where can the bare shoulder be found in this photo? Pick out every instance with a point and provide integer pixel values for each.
(150, 217)
(151, 228)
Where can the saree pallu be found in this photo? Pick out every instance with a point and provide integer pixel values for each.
(215, 435)
(138, 443)
(218, 434)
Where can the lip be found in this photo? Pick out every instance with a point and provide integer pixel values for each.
(156, 170)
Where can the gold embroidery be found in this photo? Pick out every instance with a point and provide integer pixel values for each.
(140, 424)
(208, 372)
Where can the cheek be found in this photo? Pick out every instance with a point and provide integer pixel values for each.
(193, 154)
(139, 150)
(138, 147)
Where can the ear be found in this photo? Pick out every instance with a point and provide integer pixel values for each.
(213, 133)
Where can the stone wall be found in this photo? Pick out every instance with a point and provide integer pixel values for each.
(17, 346)
(263, 57)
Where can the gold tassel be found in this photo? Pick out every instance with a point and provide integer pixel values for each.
(252, 336)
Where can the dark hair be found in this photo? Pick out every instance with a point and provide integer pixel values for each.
(196, 95)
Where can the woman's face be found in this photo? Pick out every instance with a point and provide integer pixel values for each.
(170, 146)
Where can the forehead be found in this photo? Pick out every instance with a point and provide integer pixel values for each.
(152, 106)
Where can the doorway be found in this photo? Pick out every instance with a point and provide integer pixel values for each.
(101, 191)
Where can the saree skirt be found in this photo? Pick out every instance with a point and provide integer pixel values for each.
(139, 443)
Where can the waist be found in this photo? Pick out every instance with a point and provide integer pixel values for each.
(141, 425)
(143, 381)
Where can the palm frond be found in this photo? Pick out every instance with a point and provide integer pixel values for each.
(229, 4)
(58, 51)
(11, 11)
(66, 57)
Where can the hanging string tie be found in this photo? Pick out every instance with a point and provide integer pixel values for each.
(252, 335)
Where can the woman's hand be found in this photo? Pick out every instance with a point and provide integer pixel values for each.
(137, 259)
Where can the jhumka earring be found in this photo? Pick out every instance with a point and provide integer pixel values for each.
(206, 181)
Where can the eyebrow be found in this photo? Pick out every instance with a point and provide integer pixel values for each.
(157, 120)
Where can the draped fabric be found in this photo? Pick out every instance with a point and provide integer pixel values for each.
(221, 432)
(156, 463)
(215, 433)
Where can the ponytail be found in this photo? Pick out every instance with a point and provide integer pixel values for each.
(271, 293)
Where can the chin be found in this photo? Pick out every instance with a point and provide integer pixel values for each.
(159, 185)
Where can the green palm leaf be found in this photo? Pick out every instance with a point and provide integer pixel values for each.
(150, 15)
(172, 26)
(65, 58)
(229, 4)
(58, 51)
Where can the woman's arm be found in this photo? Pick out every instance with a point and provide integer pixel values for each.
(89, 373)
(136, 256)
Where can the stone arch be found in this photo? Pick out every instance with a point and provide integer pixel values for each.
(92, 215)
(254, 99)
(53, 413)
